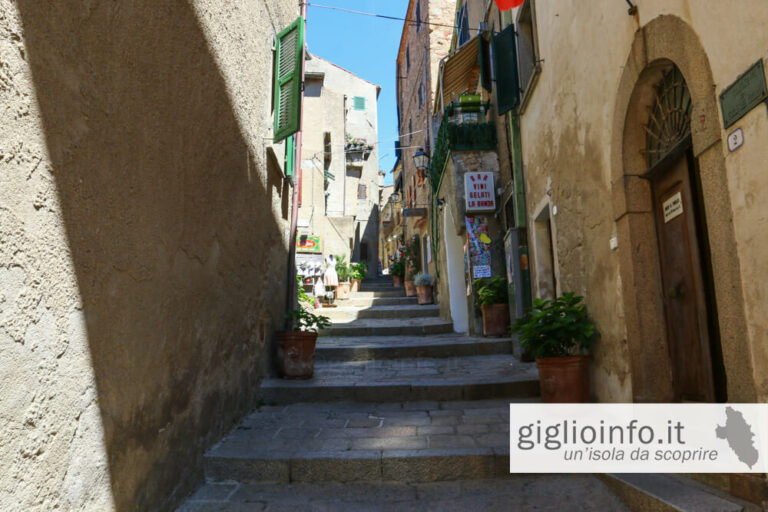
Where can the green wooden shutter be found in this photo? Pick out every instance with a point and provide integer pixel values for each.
(290, 157)
(505, 68)
(359, 103)
(287, 76)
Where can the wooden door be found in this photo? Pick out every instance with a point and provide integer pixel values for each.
(685, 302)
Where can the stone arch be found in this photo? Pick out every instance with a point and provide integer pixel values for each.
(663, 41)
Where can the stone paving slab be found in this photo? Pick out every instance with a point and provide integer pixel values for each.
(366, 348)
(577, 493)
(416, 441)
(398, 380)
(389, 327)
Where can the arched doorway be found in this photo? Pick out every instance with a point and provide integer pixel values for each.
(669, 141)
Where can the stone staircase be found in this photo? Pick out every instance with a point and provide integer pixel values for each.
(402, 414)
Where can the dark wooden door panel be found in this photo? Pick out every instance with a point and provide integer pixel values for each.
(684, 299)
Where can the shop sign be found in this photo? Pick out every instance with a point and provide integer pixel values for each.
(414, 212)
(673, 207)
(479, 193)
(309, 243)
(744, 94)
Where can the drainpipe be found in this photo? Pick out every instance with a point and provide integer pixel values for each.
(291, 273)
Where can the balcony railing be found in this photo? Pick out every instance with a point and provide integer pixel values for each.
(465, 127)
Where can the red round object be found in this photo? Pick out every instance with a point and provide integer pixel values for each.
(505, 5)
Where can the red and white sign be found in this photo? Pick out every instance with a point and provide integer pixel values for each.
(505, 5)
(478, 192)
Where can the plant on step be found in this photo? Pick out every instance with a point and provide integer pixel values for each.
(424, 279)
(410, 255)
(398, 268)
(556, 328)
(491, 290)
(303, 296)
(359, 270)
(302, 320)
(342, 269)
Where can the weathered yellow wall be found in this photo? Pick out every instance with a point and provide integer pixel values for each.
(143, 243)
(568, 137)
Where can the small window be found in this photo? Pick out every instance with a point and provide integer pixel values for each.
(418, 16)
(462, 24)
(410, 131)
(527, 47)
(364, 251)
(421, 95)
(361, 191)
(359, 103)
(407, 58)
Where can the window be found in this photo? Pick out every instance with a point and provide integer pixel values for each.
(462, 24)
(359, 103)
(421, 95)
(364, 251)
(361, 192)
(410, 131)
(527, 47)
(418, 16)
(287, 80)
(290, 157)
(407, 58)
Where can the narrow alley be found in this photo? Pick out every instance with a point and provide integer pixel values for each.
(402, 411)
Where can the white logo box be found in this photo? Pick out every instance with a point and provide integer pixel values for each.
(638, 438)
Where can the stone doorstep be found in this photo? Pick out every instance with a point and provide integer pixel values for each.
(522, 387)
(415, 465)
(355, 351)
(665, 493)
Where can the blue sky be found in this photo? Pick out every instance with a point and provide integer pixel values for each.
(367, 47)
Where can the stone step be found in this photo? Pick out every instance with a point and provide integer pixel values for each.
(389, 327)
(576, 493)
(667, 493)
(348, 348)
(394, 292)
(376, 301)
(404, 442)
(364, 286)
(401, 380)
(341, 315)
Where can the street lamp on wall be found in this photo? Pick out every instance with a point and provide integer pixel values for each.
(421, 159)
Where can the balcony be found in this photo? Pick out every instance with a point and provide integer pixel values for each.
(465, 127)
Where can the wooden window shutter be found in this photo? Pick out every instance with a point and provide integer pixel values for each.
(287, 77)
(359, 103)
(290, 157)
(505, 69)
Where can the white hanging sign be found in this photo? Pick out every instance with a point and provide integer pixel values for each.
(479, 192)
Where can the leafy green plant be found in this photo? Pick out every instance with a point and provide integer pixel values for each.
(303, 296)
(398, 268)
(424, 279)
(302, 320)
(491, 290)
(342, 269)
(410, 255)
(556, 328)
(359, 270)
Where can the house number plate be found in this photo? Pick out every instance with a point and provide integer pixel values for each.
(673, 207)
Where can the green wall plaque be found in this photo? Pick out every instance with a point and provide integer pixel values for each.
(744, 94)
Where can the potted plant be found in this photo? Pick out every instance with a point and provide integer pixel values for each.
(397, 269)
(559, 334)
(411, 267)
(345, 274)
(423, 282)
(359, 271)
(493, 301)
(296, 346)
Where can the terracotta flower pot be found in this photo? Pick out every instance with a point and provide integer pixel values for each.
(425, 294)
(397, 280)
(564, 379)
(410, 289)
(495, 319)
(355, 285)
(343, 291)
(296, 354)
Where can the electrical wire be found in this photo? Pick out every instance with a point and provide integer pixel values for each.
(394, 18)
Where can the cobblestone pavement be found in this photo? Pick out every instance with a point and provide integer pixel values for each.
(511, 494)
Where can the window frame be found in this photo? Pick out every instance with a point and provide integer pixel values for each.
(527, 9)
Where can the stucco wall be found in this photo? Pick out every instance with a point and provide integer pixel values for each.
(569, 136)
(137, 218)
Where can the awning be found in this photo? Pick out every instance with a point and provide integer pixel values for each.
(460, 73)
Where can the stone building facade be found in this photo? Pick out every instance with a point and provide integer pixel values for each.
(425, 41)
(144, 221)
(340, 183)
